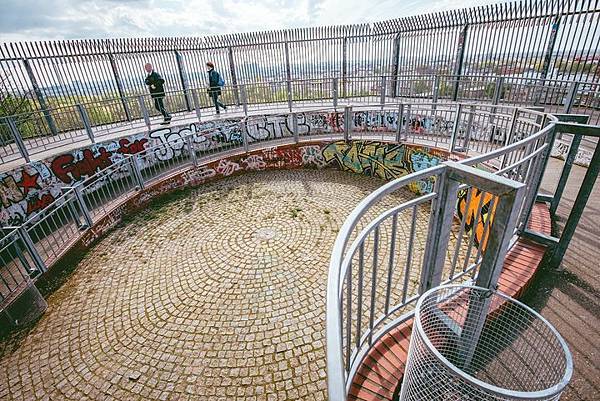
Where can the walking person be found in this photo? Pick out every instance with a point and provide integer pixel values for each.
(215, 82)
(157, 91)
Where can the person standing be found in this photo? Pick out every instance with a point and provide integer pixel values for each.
(215, 82)
(157, 91)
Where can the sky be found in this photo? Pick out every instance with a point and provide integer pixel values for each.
(22, 20)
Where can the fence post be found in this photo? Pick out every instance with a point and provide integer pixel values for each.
(406, 123)
(511, 133)
(395, 65)
(17, 137)
(135, 171)
(570, 101)
(383, 91)
(196, 101)
(400, 123)
(460, 56)
(244, 99)
(456, 127)
(289, 95)
(190, 144)
(436, 92)
(498, 90)
(288, 71)
(245, 135)
(469, 128)
(183, 78)
(72, 209)
(234, 82)
(87, 217)
(347, 123)
(295, 127)
(335, 92)
(344, 66)
(31, 249)
(115, 70)
(440, 225)
(144, 111)
(40, 97)
(86, 122)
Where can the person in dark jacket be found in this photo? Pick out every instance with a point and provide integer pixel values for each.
(157, 91)
(214, 86)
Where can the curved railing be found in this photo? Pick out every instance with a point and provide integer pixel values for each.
(498, 144)
(36, 133)
(380, 264)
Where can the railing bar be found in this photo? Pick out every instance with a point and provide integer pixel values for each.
(391, 262)
(373, 281)
(349, 315)
(361, 255)
(407, 266)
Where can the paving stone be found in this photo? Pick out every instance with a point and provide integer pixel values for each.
(218, 294)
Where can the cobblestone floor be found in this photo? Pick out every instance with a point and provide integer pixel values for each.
(218, 294)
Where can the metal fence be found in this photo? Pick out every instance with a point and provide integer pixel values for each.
(548, 40)
(30, 134)
(471, 343)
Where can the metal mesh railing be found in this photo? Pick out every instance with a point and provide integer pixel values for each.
(471, 343)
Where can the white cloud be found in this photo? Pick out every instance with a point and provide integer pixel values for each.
(75, 19)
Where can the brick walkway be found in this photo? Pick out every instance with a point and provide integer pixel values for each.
(216, 295)
(570, 298)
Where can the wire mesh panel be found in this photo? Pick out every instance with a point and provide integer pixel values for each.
(471, 343)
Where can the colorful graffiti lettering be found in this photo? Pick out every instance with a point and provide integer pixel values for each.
(68, 170)
(34, 203)
(476, 220)
(128, 148)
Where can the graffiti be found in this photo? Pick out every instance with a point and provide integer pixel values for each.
(311, 155)
(29, 188)
(254, 162)
(325, 122)
(386, 161)
(198, 175)
(375, 121)
(128, 148)
(474, 220)
(10, 192)
(68, 170)
(227, 167)
(264, 127)
(561, 149)
(36, 203)
(173, 142)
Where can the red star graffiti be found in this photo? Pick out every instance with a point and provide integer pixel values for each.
(28, 181)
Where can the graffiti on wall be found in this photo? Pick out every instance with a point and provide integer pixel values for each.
(475, 221)
(31, 187)
(384, 160)
(34, 186)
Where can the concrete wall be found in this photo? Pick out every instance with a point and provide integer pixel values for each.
(31, 187)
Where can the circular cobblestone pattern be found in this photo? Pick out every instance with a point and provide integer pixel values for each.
(218, 294)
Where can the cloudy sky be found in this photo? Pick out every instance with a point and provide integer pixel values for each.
(77, 19)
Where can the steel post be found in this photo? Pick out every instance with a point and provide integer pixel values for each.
(183, 79)
(40, 97)
(119, 83)
(85, 118)
(17, 137)
(144, 112)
